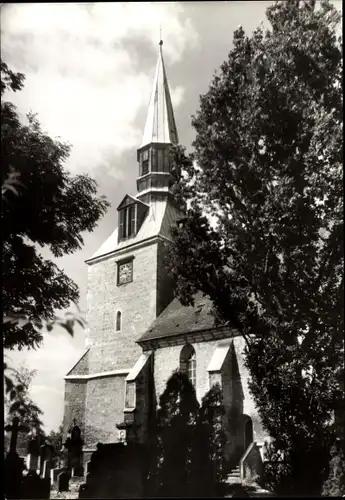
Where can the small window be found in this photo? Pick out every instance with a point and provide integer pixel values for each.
(145, 167)
(131, 220)
(118, 321)
(191, 369)
(166, 161)
(123, 223)
(154, 160)
(160, 160)
(188, 362)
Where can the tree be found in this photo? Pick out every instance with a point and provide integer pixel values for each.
(49, 208)
(267, 166)
(19, 404)
(56, 437)
(176, 417)
(208, 450)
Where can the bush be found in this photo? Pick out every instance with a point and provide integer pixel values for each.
(335, 484)
(297, 471)
(188, 454)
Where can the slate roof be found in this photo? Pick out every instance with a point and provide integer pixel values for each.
(161, 216)
(177, 319)
(160, 123)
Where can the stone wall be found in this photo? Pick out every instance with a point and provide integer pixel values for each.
(233, 379)
(251, 464)
(75, 396)
(110, 349)
(105, 401)
(167, 359)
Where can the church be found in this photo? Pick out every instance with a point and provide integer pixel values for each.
(137, 332)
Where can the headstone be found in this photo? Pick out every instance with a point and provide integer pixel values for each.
(54, 473)
(31, 462)
(78, 471)
(32, 458)
(73, 446)
(82, 493)
(63, 481)
(46, 453)
(47, 467)
(14, 429)
(45, 488)
(87, 467)
(13, 475)
(32, 485)
(14, 465)
(117, 471)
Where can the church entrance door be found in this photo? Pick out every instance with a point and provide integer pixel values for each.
(248, 433)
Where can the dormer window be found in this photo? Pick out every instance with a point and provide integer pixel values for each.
(132, 213)
(127, 221)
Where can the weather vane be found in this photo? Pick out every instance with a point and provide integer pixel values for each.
(160, 35)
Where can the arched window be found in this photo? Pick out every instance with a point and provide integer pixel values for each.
(188, 362)
(118, 321)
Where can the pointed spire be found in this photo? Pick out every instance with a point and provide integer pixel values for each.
(160, 123)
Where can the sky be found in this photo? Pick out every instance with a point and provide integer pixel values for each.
(89, 69)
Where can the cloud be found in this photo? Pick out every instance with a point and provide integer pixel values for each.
(82, 77)
(177, 95)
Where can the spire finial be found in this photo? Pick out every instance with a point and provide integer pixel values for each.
(160, 35)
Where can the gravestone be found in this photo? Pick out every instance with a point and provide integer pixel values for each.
(46, 453)
(117, 471)
(72, 452)
(33, 453)
(78, 471)
(32, 485)
(47, 467)
(32, 462)
(14, 429)
(35, 487)
(82, 493)
(13, 464)
(88, 467)
(63, 481)
(54, 473)
(13, 475)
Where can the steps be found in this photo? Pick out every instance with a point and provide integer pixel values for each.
(234, 476)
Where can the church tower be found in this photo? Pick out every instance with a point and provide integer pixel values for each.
(127, 284)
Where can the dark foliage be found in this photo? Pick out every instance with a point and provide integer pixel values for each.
(176, 417)
(43, 206)
(189, 450)
(208, 465)
(334, 486)
(268, 167)
(18, 403)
